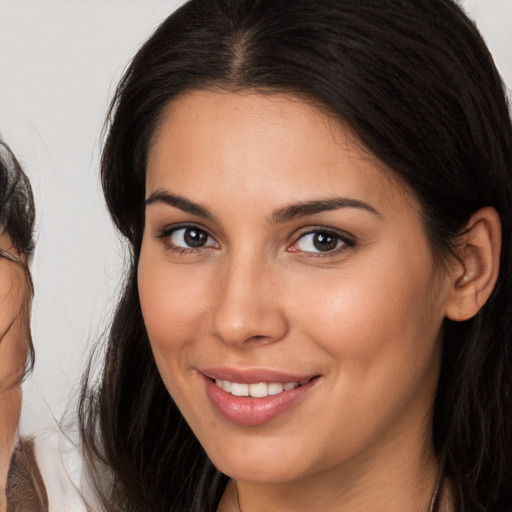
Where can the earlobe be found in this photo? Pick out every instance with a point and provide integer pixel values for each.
(475, 275)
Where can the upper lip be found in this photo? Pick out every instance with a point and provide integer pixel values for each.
(254, 375)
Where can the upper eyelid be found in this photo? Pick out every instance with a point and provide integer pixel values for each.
(170, 228)
(348, 242)
(164, 236)
(321, 229)
(301, 231)
(298, 233)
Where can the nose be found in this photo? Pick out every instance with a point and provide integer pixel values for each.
(248, 308)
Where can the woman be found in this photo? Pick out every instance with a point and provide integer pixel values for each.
(21, 486)
(41, 472)
(317, 316)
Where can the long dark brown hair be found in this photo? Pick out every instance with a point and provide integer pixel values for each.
(17, 219)
(418, 86)
(24, 487)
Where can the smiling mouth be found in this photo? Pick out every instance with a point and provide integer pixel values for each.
(258, 402)
(259, 389)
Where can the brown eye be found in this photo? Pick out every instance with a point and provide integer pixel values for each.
(191, 238)
(325, 241)
(321, 241)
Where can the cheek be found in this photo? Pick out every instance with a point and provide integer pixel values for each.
(173, 307)
(380, 331)
(10, 408)
(14, 334)
(376, 320)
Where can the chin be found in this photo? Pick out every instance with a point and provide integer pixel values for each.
(259, 466)
(257, 473)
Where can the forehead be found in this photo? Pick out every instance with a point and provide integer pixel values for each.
(258, 143)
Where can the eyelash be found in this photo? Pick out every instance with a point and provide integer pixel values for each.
(166, 234)
(347, 241)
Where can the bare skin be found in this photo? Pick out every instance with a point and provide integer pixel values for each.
(13, 354)
(312, 261)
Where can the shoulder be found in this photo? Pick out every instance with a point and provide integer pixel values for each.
(60, 460)
(25, 491)
(46, 474)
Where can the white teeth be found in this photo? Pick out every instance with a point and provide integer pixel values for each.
(258, 390)
(238, 389)
(224, 384)
(275, 388)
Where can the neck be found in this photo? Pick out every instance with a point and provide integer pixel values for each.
(403, 477)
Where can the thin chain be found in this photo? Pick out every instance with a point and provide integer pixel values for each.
(435, 495)
(237, 497)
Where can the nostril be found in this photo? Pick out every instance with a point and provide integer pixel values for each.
(258, 337)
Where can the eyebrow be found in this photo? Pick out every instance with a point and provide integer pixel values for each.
(294, 211)
(286, 214)
(179, 202)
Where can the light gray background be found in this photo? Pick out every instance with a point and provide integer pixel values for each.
(59, 63)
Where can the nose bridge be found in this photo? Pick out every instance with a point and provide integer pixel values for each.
(247, 307)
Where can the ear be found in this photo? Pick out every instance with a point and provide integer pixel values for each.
(476, 272)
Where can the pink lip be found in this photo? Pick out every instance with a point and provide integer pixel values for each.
(249, 411)
(253, 376)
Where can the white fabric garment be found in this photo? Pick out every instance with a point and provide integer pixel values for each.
(60, 462)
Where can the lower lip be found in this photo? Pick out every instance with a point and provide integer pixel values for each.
(249, 411)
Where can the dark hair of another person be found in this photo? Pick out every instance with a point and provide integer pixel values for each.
(17, 218)
(416, 83)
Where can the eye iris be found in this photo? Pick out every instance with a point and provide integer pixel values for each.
(195, 238)
(325, 242)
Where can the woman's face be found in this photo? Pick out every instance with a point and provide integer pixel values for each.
(13, 353)
(284, 261)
